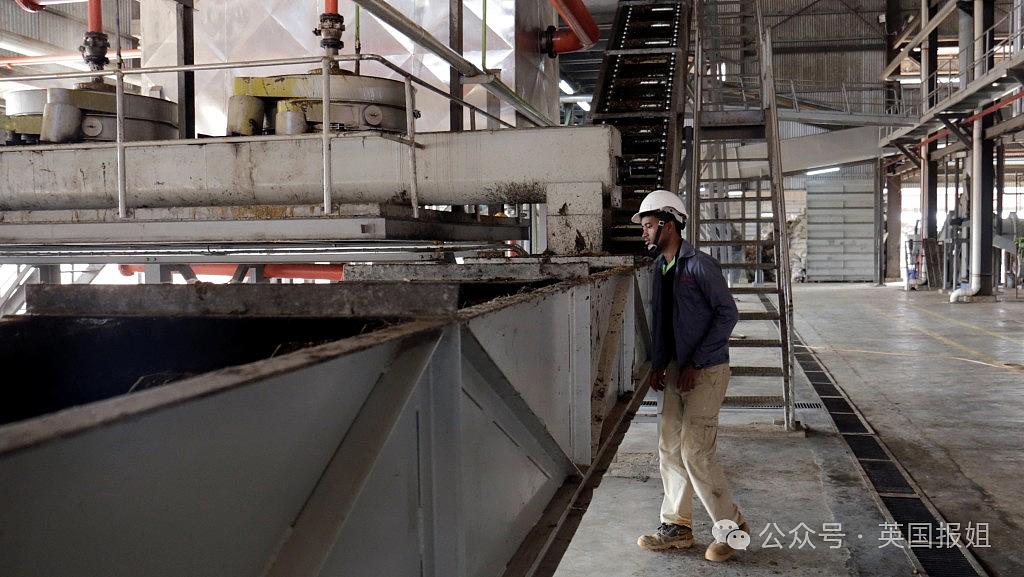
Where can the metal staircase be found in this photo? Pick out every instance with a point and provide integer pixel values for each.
(741, 219)
(641, 91)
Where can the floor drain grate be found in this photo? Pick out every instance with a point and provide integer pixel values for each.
(886, 477)
(762, 402)
(939, 559)
(826, 389)
(911, 510)
(837, 405)
(817, 376)
(865, 447)
(848, 423)
(943, 562)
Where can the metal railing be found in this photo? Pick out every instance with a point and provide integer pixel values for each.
(874, 98)
(950, 77)
(783, 276)
(852, 98)
(326, 62)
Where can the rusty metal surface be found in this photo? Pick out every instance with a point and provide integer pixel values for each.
(347, 300)
(470, 449)
(477, 272)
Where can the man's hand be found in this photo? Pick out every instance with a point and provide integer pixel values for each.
(658, 380)
(687, 378)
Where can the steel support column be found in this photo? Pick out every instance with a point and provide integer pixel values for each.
(186, 80)
(894, 206)
(929, 191)
(985, 42)
(929, 58)
(987, 185)
(879, 222)
(455, 41)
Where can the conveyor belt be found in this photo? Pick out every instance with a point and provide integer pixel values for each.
(640, 91)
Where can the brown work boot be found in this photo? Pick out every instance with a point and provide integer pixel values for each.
(666, 537)
(719, 552)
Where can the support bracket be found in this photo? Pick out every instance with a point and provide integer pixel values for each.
(952, 124)
(911, 156)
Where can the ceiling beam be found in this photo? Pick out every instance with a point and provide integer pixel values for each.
(926, 29)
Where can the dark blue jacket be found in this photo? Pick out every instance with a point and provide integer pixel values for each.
(704, 311)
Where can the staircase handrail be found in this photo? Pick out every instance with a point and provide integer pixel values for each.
(784, 276)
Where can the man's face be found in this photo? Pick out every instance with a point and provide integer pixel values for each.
(649, 225)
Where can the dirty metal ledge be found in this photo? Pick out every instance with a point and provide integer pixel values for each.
(337, 300)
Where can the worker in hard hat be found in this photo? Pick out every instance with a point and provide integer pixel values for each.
(693, 314)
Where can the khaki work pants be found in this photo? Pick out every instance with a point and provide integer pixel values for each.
(686, 448)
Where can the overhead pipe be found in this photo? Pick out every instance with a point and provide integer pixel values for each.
(40, 5)
(95, 45)
(58, 58)
(331, 26)
(96, 16)
(976, 210)
(310, 271)
(399, 21)
(582, 33)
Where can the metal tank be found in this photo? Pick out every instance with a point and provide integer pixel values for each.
(86, 113)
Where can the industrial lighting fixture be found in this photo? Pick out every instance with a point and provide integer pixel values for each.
(584, 105)
(734, 193)
(566, 87)
(822, 171)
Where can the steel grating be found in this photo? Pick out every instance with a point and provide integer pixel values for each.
(826, 389)
(818, 376)
(848, 423)
(865, 446)
(944, 562)
(910, 510)
(886, 477)
(762, 402)
(837, 405)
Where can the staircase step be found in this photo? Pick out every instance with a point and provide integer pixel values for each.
(735, 132)
(754, 289)
(741, 342)
(756, 371)
(748, 242)
(759, 316)
(736, 179)
(731, 118)
(736, 199)
(748, 265)
(736, 220)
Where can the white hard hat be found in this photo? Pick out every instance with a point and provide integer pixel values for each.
(661, 201)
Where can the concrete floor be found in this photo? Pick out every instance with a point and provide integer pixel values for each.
(941, 384)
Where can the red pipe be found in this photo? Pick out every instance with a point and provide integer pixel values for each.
(331, 272)
(40, 5)
(331, 7)
(96, 16)
(583, 32)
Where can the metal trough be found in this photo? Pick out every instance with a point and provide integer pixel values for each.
(440, 441)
